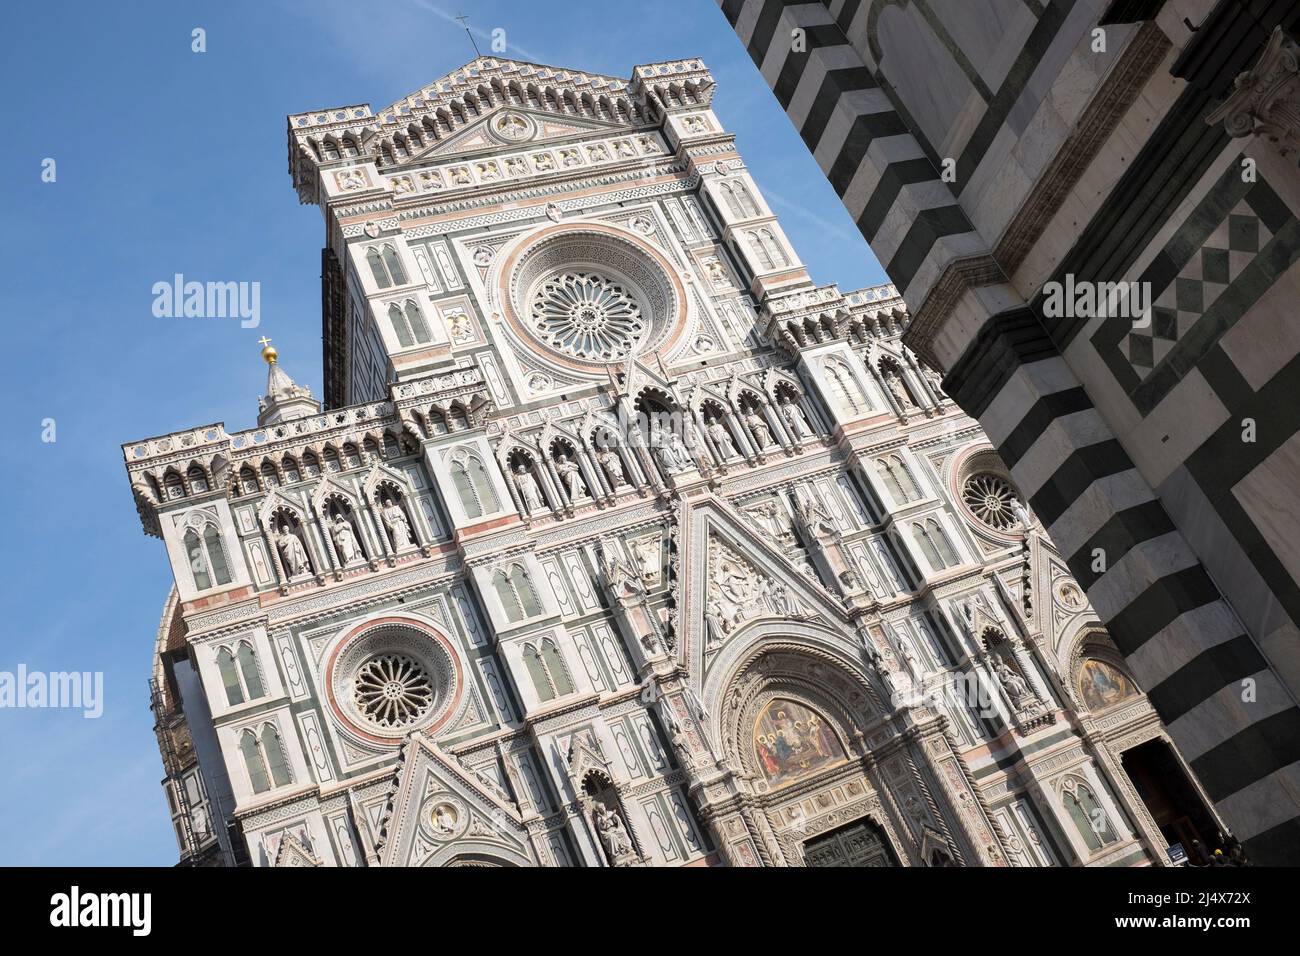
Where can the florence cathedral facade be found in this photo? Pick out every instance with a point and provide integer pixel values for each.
(615, 540)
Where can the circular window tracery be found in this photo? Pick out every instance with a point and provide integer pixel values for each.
(991, 499)
(587, 315)
(390, 676)
(393, 691)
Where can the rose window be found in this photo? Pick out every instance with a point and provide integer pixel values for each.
(587, 315)
(393, 690)
(991, 499)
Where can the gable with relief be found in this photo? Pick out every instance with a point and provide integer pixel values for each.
(443, 814)
(509, 126)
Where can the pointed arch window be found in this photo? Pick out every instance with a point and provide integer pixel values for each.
(761, 252)
(898, 478)
(207, 557)
(409, 324)
(844, 387)
(253, 762)
(546, 668)
(264, 758)
(774, 250)
(927, 546)
(537, 672)
(473, 486)
(230, 677)
(1089, 817)
(240, 675)
(515, 591)
(385, 266)
(556, 667)
(941, 542)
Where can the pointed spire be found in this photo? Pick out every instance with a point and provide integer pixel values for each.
(284, 398)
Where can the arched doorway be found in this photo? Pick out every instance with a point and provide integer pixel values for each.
(1169, 795)
(860, 843)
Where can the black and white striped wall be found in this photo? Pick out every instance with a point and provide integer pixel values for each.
(1230, 713)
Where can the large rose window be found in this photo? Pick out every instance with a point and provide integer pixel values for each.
(587, 315)
(391, 676)
(991, 499)
(584, 296)
(393, 690)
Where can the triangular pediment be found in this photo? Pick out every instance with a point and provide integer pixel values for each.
(732, 575)
(497, 129)
(292, 852)
(442, 813)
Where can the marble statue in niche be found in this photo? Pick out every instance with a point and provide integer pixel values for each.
(721, 438)
(345, 540)
(610, 461)
(292, 554)
(399, 529)
(571, 474)
(528, 489)
(758, 428)
(794, 417)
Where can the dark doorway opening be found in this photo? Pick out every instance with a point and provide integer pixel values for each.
(1169, 795)
(858, 844)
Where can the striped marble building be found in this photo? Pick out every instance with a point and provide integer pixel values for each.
(1000, 155)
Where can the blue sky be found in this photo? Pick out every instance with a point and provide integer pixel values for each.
(170, 161)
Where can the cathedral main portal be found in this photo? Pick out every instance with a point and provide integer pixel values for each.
(858, 844)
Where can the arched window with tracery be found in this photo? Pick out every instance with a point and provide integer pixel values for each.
(934, 544)
(844, 387)
(1089, 817)
(264, 758)
(473, 485)
(240, 675)
(207, 557)
(515, 591)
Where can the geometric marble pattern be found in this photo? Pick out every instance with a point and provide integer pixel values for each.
(1211, 269)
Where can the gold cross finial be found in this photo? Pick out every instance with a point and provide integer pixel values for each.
(268, 350)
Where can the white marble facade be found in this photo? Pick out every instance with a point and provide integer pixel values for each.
(619, 541)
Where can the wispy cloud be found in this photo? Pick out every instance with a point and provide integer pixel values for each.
(478, 32)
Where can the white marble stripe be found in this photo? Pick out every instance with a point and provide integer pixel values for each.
(947, 249)
(1141, 566)
(823, 60)
(1264, 804)
(1224, 714)
(778, 48)
(912, 199)
(1104, 499)
(880, 155)
(1181, 641)
(848, 108)
(1057, 442)
(1021, 391)
(747, 20)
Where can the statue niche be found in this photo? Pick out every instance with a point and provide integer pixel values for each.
(287, 536)
(344, 532)
(396, 519)
(601, 801)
